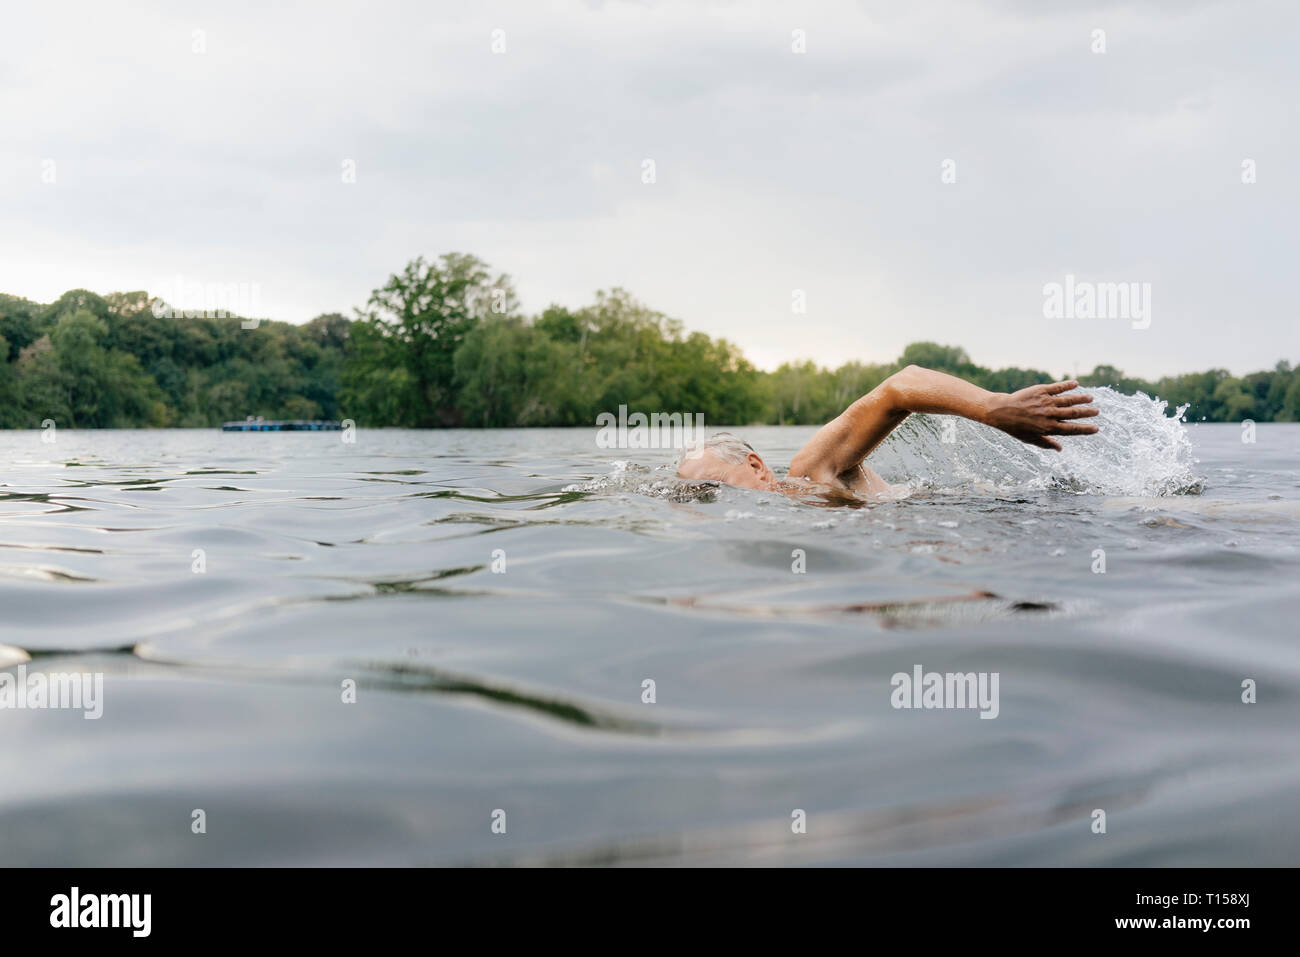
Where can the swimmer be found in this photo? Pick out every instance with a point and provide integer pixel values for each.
(833, 458)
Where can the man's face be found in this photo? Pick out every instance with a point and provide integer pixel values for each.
(751, 473)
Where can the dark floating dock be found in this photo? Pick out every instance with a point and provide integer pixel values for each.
(275, 425)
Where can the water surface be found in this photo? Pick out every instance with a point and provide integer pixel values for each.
(227, 585)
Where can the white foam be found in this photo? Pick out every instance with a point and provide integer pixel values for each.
(1140, 451)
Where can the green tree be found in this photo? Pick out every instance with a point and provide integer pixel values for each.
(19, 324)
(1291, 401)
(951, 359)
(1234, 401)
(86, 385)
(417, 320)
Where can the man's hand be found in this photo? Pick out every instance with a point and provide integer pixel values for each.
(1033, 414)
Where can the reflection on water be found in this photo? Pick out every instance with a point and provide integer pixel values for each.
(507, 603)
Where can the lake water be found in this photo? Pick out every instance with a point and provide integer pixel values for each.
(229, 586)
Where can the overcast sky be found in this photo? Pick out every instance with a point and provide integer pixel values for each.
(774, 170)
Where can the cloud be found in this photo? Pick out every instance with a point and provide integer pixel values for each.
(775, 171)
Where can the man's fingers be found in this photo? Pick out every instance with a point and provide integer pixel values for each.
(1077, 399)
(1056, 388)
(1043, 442)
(1074, 428)
(1075, 412)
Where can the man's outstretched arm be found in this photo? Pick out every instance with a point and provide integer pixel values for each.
(1031, 415)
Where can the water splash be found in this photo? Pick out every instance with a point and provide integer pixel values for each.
(661, 482)
(1139, 451)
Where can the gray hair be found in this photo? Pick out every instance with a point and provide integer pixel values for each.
(724, 445)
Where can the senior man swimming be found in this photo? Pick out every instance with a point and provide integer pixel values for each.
(834, 456)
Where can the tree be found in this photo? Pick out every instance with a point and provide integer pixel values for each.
(1291, 403)
(19, 324)
(417, 320)
(934, 356)
(489, 369)
(90, 386)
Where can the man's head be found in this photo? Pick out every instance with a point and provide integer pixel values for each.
(723, 457)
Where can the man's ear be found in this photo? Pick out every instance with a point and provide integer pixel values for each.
(754, 462)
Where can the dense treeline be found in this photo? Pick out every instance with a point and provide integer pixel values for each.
(89, 361)
(444, 343)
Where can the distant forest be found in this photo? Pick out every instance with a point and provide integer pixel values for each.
(443, 343)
